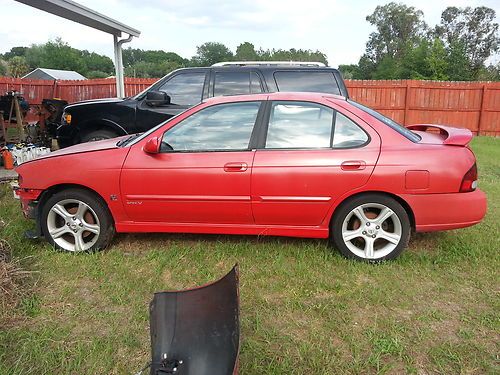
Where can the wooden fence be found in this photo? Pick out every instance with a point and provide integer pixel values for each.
(472, 105)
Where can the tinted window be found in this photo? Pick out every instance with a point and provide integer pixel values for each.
(185, 88)
(389, 122)
(255, 84)
(306, 82)
(299, 125)
(347, 133)
(220, 127)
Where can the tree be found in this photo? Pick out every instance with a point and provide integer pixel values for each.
(18, 66)
(210, 53)
(3, 68)
(15, 51)
(471, 29)
(246, 52)
(55, 55)
(437, 61)
(95, 65)
(399, 28)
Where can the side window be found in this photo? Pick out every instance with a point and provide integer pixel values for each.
(220, 127)
(185, 88)
(299, 125)
(231, 83)
(347, 134)
(306, 81)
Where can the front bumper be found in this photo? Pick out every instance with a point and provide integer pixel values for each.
(434, 212)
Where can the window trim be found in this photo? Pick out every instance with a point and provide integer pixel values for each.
(253, 134)
(264, 127)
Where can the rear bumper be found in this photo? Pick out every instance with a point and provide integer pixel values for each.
(435, 212)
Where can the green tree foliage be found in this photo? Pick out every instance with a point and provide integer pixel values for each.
(152, 63)
(474, 30)
(17, 66)
(210, 53)
(246, 52)
(399, 28)
(402, 47)
(3, 68)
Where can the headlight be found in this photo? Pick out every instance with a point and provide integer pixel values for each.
(66, 117)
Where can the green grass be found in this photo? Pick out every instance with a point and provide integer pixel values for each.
(304, 308)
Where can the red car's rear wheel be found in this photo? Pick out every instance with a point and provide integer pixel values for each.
(371, 227)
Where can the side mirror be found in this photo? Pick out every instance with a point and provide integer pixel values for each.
(152, 146)
(157, 98)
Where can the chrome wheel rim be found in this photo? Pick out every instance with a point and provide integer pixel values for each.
(372, 231)
(73, 225)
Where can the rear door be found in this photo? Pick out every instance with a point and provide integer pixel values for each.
(310, 155)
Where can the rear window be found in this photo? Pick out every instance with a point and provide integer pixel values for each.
(307, 81)
(389, 122)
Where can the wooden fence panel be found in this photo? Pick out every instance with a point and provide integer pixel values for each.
(472, 105)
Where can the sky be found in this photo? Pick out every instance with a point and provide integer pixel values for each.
(336, 27)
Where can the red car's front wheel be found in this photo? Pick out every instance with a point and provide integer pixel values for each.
(371, 227)
(76, 220)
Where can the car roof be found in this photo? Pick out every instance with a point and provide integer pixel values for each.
(282, 95)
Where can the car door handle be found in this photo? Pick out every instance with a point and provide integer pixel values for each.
(235, 167)
(353, 165)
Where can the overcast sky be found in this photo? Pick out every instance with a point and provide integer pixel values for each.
(335, 27)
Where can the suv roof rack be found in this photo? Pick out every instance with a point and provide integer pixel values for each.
(271, 63)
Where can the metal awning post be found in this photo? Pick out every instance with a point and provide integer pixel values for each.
(120, 81)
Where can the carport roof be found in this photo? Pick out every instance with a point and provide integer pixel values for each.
(75, 12)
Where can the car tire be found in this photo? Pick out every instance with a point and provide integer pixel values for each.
(98, 135)
(76, 220)
(370, 227)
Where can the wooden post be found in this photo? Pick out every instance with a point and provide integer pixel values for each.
(407, 105)
(481, 111)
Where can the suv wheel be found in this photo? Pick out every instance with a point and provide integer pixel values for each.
(98, 135)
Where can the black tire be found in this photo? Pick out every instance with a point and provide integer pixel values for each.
(349, 250)
(98, 135)
(96, 207)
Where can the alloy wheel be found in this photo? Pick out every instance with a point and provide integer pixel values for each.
(73, 225)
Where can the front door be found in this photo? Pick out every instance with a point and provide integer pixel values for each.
(312, 155)
(201, 175)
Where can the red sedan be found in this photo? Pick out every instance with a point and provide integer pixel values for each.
(283, 164)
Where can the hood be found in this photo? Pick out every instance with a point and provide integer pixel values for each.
(442, 135)
(105, 144)
(95, 101)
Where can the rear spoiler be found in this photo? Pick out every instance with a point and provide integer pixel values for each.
(452, 136)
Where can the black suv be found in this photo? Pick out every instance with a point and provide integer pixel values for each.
(183, 88)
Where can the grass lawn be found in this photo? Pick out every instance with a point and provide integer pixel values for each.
(304, 308)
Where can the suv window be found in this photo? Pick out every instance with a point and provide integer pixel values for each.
(235, 83)
(220, 127)
(185, 88)
(299, 125)
(306, 81)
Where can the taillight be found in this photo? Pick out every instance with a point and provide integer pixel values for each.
(469, 182)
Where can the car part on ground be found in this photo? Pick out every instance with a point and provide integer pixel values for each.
(196, 331)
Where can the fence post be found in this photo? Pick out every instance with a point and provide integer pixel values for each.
(481, 111)
(407, 106)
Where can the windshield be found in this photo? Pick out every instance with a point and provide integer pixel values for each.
(389, 122)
